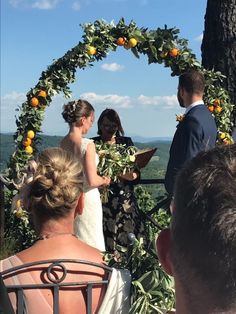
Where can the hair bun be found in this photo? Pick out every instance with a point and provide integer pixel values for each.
(69, 112)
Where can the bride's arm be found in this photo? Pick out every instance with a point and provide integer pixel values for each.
(90, 168)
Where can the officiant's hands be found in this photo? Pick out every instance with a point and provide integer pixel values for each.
(129, 176)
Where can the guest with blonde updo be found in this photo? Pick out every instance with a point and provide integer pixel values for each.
(88, 226)
(50, 193)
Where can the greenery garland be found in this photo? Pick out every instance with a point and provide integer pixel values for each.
(161, 46)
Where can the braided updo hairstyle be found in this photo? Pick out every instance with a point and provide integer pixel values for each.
(55, 185)
(74, 110)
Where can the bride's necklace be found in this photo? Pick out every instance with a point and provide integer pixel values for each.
(52, 235)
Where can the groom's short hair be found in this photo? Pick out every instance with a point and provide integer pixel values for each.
(193, 81)
(203, 229)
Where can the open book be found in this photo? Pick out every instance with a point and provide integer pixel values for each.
(143, 156)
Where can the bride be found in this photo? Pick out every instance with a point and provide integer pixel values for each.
(88, 226)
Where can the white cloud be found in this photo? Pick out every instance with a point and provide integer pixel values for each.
(45, 4)
(109, 100)
(54, 124)
(166, 102)
(163, 102)
(13, 99)
(113, 67)
(16, 3)
(10, 102)
(199, 38)
(39, 4)
(76, 6)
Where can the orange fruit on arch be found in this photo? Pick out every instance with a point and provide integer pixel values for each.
(120, 41)
(27, 142)
(34, 102)
(211, 108)
(174, 52)
(30, 134)
(91, 50)
(42, 93)
(29, 150)
(218, 109)
(216, 102)
(132, 42)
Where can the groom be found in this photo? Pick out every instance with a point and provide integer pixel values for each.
(196, 132)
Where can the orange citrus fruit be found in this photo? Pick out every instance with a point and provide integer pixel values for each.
(120, 41)
(91, 50)
(218, 109)
(211, 108)
(222, 135)
(27, 142)
(34, 102)
(30, 134)
(132, 42)
(174, 52)
(216, 102)
(42, 93)
(29, 150)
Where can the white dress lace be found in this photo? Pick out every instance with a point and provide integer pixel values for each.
(88, 226)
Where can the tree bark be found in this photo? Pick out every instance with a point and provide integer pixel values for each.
(219, 43)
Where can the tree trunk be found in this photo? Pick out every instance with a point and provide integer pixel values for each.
(219, 43)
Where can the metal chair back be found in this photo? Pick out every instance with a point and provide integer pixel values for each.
(48, 268)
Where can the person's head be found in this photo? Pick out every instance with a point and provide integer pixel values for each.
(79, 113)
(109, 123)
(191, 87)
(200, 248)
(53, 185)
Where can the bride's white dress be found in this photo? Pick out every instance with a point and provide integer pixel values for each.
(88, 226)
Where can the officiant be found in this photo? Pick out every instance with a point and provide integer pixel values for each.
(121, 214)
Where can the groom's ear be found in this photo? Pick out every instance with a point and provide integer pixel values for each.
(163, 250)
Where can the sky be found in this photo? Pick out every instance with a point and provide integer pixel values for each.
(35, 32)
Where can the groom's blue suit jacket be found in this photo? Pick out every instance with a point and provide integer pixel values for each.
(196, 132)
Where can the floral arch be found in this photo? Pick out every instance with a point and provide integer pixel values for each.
(161, 46)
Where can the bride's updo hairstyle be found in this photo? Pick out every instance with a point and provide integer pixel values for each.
(74, 110)
(54, 186)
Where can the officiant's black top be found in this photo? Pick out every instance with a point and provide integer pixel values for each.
(121, 214)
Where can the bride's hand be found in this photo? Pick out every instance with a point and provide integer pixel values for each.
(107, 181)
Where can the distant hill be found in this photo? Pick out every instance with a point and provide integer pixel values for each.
(141, 139)
(155, 169)
(8, 146)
